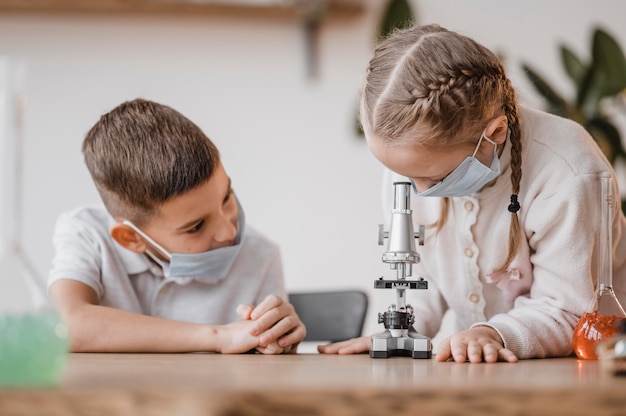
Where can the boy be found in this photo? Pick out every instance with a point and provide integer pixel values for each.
(170, 265)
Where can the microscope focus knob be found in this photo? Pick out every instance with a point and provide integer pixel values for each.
(420, 234)
(382, 234)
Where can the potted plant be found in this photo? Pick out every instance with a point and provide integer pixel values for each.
(397, 14)
(600, 92)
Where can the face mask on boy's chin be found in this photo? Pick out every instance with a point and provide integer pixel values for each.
(467, 178)
(212, 265)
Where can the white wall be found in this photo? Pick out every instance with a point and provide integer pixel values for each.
(287, 141)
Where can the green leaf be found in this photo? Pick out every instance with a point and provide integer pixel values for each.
(397, 15)
(608, 138)
(609, 58)
(556, 103)
(591, 91)
(574, 67)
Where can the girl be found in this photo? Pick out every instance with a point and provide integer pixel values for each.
(510, 197)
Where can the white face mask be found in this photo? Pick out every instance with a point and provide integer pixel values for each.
(211, 265)
(469, 177)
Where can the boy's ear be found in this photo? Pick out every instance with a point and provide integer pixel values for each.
(127, 238)
(497, 129)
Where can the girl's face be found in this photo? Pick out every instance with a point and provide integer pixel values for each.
(426, 167)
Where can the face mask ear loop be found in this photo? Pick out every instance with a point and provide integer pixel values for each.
(144, 235)
(484, 136)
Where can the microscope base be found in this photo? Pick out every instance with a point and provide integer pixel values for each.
(411, 344)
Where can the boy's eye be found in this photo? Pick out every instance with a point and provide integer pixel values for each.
(228, 195)
(196, 228)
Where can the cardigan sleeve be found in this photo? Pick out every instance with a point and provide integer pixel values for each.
(561, 228)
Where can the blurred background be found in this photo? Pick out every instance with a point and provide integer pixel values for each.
(273, 83)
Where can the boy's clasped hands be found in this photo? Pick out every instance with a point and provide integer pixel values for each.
(271, 327)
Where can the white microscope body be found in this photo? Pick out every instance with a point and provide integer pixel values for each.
(400, 337)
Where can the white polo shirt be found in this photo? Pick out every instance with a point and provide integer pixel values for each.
(122, 279)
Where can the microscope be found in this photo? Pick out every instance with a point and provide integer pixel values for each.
(400, 337)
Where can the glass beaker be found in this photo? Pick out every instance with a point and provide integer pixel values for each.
(601, 324)
(34, 342)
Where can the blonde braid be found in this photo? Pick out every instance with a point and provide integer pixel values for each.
(510, 109)
(515, 233)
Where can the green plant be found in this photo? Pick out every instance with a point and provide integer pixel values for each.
(397, 15)
(598, 82)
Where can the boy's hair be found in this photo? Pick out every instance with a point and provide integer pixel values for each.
(447, 86)
(141, 154)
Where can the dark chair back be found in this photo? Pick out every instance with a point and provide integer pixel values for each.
(332, 315)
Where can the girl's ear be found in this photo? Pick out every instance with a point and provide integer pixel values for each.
(497, 129)
(127, 238)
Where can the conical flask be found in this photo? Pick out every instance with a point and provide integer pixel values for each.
(601, 324)
(34, 342)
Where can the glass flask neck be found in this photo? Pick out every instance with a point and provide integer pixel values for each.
(607, 302)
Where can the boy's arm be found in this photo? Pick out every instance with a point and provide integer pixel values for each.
(96, 328)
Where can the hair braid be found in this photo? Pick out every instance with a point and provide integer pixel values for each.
(510, 109)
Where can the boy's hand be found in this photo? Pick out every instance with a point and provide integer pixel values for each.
(351, 346)
(274, 348)
(235, 338)
(274, 321)
(478, 344)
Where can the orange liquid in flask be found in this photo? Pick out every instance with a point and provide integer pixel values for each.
(591, 329)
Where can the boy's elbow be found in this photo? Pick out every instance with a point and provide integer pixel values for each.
(74, 302)
(80, 330)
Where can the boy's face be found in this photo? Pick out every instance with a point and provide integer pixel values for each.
(202, 219)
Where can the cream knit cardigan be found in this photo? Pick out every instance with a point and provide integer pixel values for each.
(536, 303)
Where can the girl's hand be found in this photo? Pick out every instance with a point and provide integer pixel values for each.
(475, 345)
(351, 346)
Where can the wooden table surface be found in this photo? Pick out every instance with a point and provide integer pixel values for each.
(313, 384)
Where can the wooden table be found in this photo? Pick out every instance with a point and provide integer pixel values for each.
(313, 384)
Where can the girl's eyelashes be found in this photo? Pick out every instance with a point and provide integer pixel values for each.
(196, 228)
